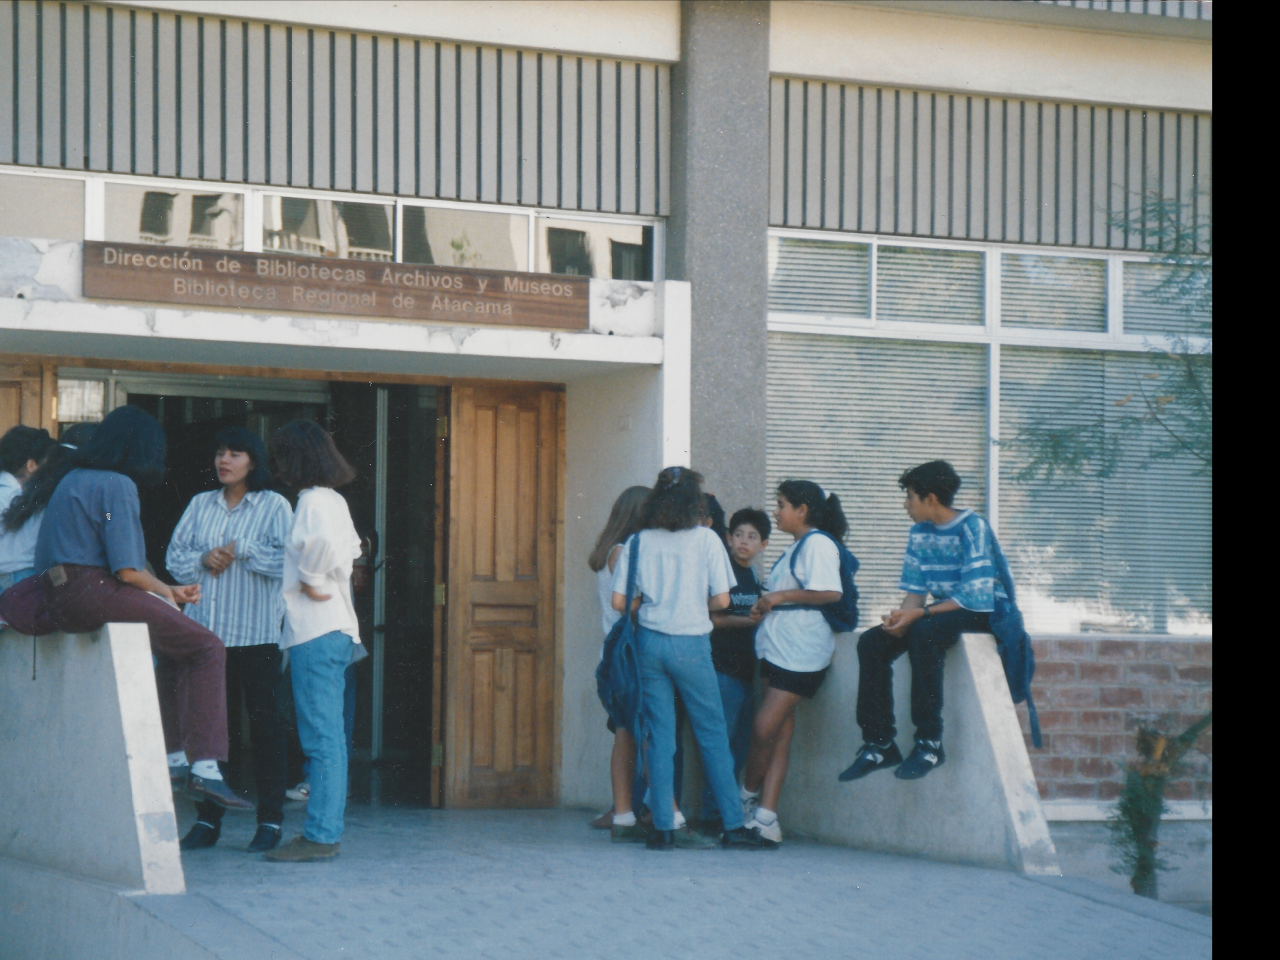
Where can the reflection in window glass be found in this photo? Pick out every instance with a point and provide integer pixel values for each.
(465, 238)
(81, 400)
(174, 218)
(930, 286)
(43, 207)
(328, 228)
(1053, 293)
(587, 248)
(819, 276)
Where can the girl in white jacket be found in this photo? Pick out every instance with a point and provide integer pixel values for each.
(320, 628)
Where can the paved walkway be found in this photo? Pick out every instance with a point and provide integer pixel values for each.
(416, 883)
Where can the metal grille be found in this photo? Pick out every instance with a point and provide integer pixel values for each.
(1182, 9)
(115, 89)
(895, 161)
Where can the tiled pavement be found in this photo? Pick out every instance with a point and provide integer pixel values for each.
(417, 883)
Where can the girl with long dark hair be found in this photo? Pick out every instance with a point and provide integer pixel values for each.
(320, 628)
(795, 643)
(682, 573)
(230, 542)
(94, 570)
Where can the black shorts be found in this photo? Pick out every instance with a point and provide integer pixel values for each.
(802, 684)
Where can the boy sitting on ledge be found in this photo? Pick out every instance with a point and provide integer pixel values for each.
(950, 556)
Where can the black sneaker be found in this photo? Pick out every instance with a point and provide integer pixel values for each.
(746, 837)
(927, 755)
(872, 757)
(267, 838)
(200, 835)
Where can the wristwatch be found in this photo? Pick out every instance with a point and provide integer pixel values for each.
(927, 611)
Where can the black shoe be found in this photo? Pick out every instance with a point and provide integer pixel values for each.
(178, 776)
(872, 757)
(746, 837)
(267, 838)
(662, 840)
(200, 836)
(927, 755)
(215, 791)
(711, 827)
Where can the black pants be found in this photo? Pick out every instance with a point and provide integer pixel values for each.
(256, 671)
(926, 643)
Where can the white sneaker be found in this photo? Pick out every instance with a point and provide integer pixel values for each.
(301, 792)
(772, 831)
(749, 805)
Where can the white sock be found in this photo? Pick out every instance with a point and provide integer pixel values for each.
(744, 794)
(178, 759)
(625, 819)
(764, 817)
(206, 770)
(680, 821)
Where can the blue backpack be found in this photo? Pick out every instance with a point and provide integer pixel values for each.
(618, 675)
(1013, 643)
(841, 616)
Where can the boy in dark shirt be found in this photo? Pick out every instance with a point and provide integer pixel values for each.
(733, 645)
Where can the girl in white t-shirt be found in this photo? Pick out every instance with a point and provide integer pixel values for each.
(626, 518)
(682, 574)
(795, 643)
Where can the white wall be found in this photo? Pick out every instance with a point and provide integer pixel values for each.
(640, 29)
(965, 54)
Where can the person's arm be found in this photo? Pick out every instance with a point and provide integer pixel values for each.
(614, 554)
(317, 554)
(182, 558)
(912, 609)
(619, 602)
(719, 602)
(144, 580)
(808, 598)
(265, 554)
(729, 620)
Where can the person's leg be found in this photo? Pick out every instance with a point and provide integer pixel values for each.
(773, 713)
(691, 669)
(207, 811)
(259, 674)
(677, 764)
(733, 696)
(318, 667)
(658, 696)
(622, 770)
(928, 641)
(349, 708)
(771, 789)
(877, 650)
(167, 692)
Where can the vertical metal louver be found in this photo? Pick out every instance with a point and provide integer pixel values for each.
(913, 162)
(1178, 9)
(115, 89)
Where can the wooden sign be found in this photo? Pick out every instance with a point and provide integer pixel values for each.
(270, 282)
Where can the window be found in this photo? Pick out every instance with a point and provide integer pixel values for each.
(1053, 293)
(177, 218)
(80, 401)
(1168, 299)
(45, 207)
(465, 238)
(595, 248)
(819, 277)
(930, 286)
(328, 228)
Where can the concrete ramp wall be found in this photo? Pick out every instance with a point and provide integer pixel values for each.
(84, 788)
(980, 807)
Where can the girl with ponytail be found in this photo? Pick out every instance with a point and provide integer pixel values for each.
(795, 643)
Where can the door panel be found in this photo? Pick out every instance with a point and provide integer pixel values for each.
(501, 650)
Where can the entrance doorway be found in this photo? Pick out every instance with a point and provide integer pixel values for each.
(458, 494)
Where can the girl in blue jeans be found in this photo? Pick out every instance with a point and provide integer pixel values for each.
(682, 573)
(320, 628)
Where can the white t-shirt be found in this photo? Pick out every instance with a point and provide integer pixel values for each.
(676, 574)
(604, 586)
(320, 549)
(801, 640)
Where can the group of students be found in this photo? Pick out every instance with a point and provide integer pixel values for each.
(704, 620)
(259, 582)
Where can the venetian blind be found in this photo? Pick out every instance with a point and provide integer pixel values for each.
(1168, 299)
(1053, 293)
(818, 276)
(1128, 547)
(929, 286)
(852, 414)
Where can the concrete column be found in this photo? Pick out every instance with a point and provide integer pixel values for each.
(717, 234)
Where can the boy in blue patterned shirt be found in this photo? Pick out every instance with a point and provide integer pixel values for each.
(948, 558)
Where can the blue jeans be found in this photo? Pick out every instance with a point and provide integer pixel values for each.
(348, 718)
(319, 685)
(737, 699)
(668, 663)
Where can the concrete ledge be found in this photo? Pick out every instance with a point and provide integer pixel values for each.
(85, 788)
(980, 807)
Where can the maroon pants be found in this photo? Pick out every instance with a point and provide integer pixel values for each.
(191, 661)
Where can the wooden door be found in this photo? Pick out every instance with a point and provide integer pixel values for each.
(28, 395)
(505, 454)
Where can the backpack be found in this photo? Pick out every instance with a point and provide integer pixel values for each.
(842, 615)
(1013, 643)
(618, 675)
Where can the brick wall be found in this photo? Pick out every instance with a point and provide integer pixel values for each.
(1093, 694)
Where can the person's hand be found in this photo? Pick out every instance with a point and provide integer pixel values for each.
(311, 592)
(218, 559)
(186, 594)
(897, 622)
(762, 606)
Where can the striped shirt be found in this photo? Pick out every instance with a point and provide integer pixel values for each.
(244, 606)
(953, 561)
